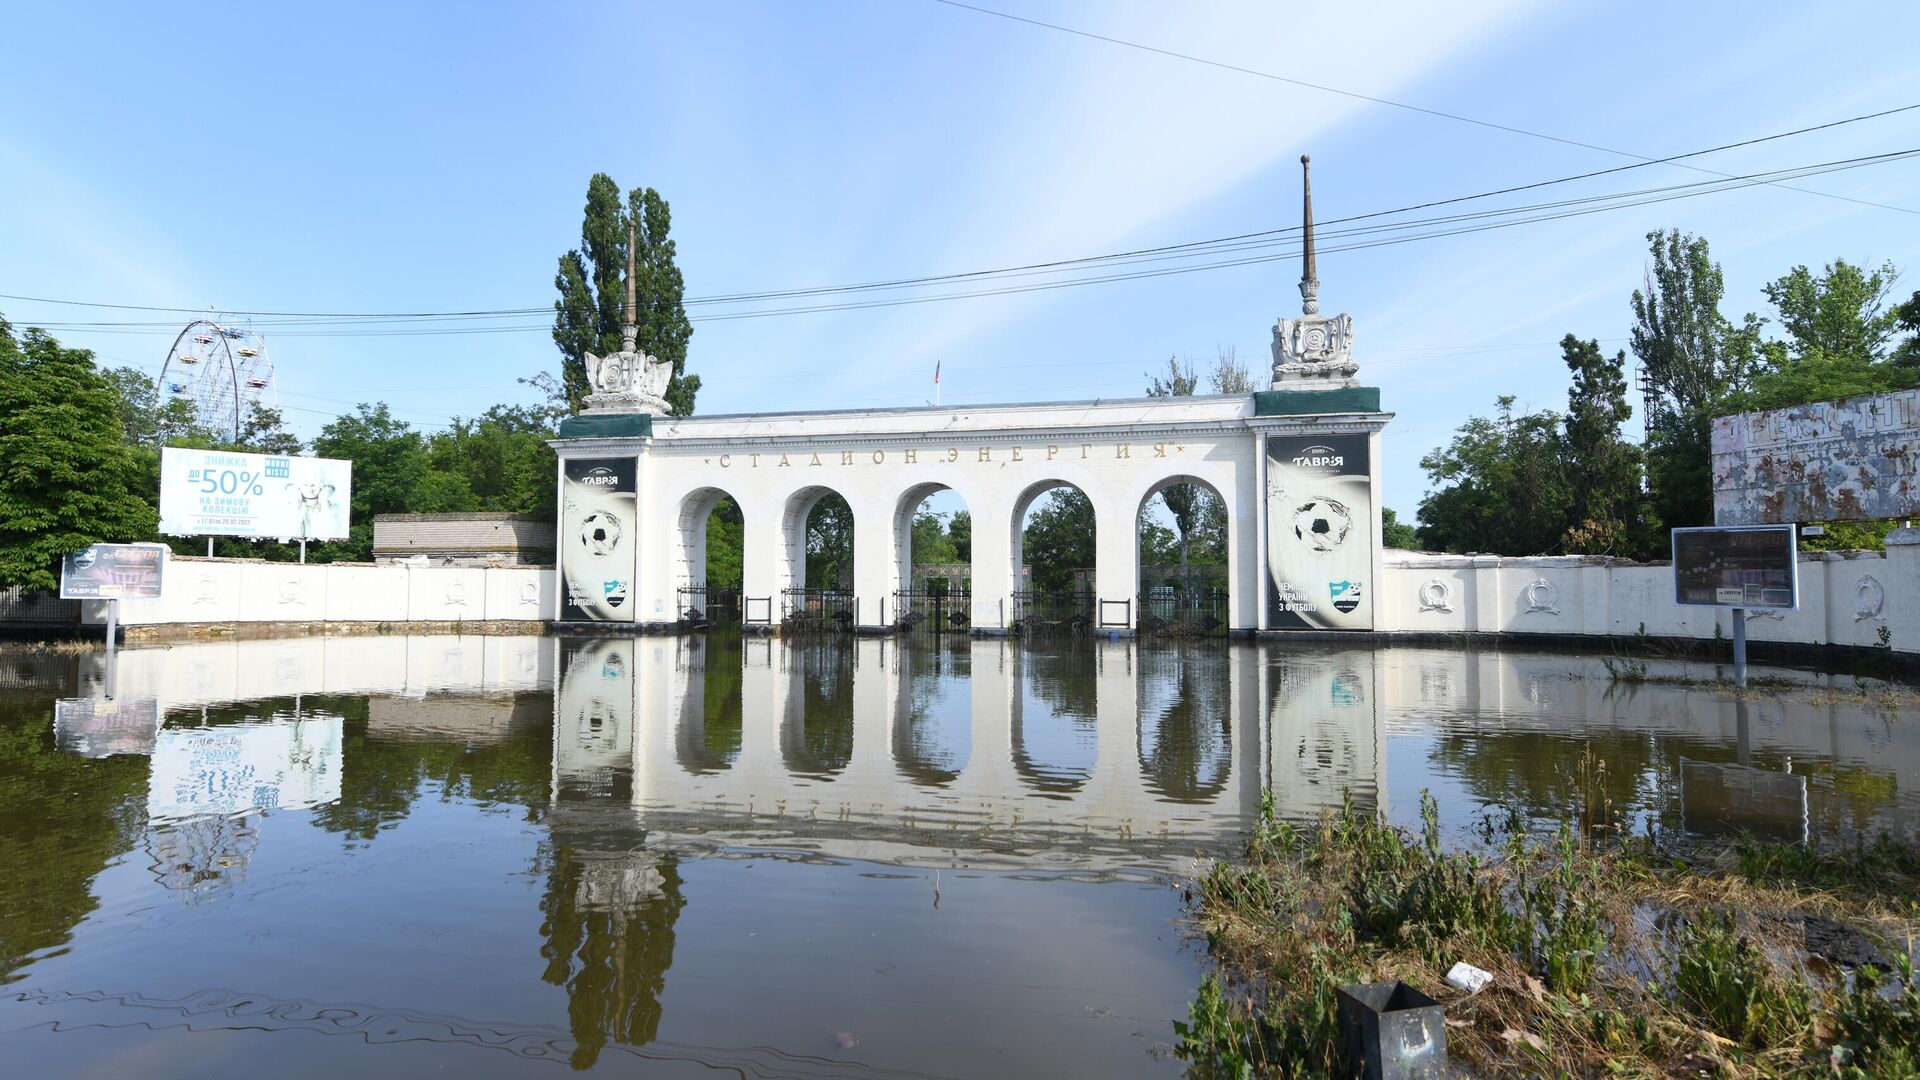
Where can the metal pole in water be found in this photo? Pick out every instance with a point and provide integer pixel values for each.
(303, 551)
(209, 547)
(113, 631)
(1740, 647)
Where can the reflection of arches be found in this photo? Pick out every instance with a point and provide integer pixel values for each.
(695, 508)
(933, 726)
(1018, 526)
(816, 735)
(1055, 718)
(1196, 596)
(793, 535)
(712, 716)
(1186, 730)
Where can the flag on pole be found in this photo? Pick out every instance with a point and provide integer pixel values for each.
(936, 372)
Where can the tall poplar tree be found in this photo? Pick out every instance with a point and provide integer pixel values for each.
(67, 476)
(592, 288)
(1603, 469)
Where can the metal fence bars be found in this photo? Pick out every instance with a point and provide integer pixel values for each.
(832, 610)
(936, 609)
(1048, 613)
(703, 606)
(1190, 602)
(21, 610)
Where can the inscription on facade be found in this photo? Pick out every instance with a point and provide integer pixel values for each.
(952, 455)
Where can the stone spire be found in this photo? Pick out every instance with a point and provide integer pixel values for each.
(1314, 351)
(629, 329)
(1309, 273)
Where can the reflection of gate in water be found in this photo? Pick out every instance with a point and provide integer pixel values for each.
(1045, 614)
(818, 609)
(934, 610)
(703, 606)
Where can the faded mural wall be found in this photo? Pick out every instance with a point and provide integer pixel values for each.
(1844, 460)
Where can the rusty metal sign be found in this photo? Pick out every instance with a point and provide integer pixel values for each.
(1848, 460)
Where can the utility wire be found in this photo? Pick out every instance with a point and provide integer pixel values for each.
(1361, 238)
(1054, 265)
(1371, 98)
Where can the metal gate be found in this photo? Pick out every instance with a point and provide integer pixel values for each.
(1050, 614)
(702, 607)
(818, 610)
(934, 611)
(1172, 611)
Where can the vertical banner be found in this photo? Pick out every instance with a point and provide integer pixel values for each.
(598, 508)
(1319, 533)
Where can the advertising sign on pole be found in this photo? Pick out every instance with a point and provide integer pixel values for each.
(1736, 566)
(1319, 532)
(263, 496)
(595, 548)
(113, 572)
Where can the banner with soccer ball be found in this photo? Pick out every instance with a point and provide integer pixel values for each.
(1319, 533)
(598, 506)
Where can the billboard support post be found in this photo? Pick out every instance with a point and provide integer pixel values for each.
(113, 633)
(209, 547)
(303, 551)
(1740, 647)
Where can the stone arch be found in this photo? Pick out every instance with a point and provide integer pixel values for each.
(900, 561)
(793, 532)
(1228, 553)
(1018, 520)
(690, 566)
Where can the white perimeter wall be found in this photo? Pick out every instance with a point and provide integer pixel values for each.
(1846, 598)
(242, 591)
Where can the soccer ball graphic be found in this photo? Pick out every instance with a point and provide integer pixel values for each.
(600, 532)
(1322, 523)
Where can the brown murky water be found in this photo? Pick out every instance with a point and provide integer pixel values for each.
(488, 856)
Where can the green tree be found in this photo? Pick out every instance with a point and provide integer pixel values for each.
(1906, 318)
(1840, 338)
(67, 476)
(830, 543)
(1395, 534)
(1695, 361)
(1500, 487)
(960, 531)
(932, 546)
(1186, 503)
(1059, 539)
(392, 474)
(591, 281)
(1603, 469)
(502, 458)
(1229, 375)
(262, 431)
(726, 544)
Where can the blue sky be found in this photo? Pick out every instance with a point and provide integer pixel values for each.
(358, 158)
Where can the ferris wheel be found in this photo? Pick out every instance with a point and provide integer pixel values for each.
(223, 370)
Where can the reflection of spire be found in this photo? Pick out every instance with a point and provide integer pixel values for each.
(629, 330)
(1309, 274)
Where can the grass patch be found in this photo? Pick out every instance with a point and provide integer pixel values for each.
(1611, 955)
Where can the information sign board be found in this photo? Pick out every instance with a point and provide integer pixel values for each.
(263, 496)
(113, 572)
(1320, 518)
(1736, 566)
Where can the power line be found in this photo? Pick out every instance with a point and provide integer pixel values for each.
(1196, 247)
(1367, 238)
(1442, 114)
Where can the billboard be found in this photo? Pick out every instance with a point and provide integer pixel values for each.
(1319, 532)
(1743, 566)
(263, 496)
(1845, 460)
(113, 572)
(596, 546)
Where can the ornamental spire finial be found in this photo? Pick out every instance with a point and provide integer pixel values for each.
(1309, 273)
(629, 330)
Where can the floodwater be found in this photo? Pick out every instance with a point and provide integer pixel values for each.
(496, 856)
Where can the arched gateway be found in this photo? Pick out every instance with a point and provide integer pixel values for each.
(1297, 466)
